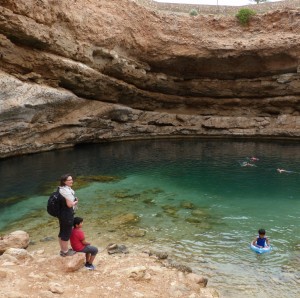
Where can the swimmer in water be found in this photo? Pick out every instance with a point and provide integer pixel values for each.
(261, 240)
(254, 158)
(247, 164)
(284, 171)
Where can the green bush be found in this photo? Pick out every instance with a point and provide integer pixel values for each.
(193, 12)
(244, 15)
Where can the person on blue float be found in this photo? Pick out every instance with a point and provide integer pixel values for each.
(261, 240)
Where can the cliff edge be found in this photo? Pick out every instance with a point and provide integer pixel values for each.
(91, 71)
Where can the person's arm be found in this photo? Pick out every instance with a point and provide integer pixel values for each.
(71, 204)
(267, 241)
(69, 197)
(85, 242)
(254, 242)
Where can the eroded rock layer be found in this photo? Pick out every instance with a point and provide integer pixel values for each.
(93, 70)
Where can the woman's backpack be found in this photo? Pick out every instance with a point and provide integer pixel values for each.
(54, 203)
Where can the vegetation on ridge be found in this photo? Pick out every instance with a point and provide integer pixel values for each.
(244, 15)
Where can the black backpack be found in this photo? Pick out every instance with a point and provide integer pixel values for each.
(54, 203)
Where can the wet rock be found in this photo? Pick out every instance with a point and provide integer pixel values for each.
(159, 254)
(199, 280)
(125, 219)
(115, 248)
(180, 267)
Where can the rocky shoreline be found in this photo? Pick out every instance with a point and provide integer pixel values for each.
(38, 271)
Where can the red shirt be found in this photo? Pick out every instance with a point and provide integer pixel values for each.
(76, 238)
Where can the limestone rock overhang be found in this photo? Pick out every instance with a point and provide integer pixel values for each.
(120, 53)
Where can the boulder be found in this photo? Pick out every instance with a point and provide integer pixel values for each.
(199, 280)
(73, 263)
(18, 253)
(56, 288)
(113, 248)
(17, 239)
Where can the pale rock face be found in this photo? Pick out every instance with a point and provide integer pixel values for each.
(16, 239)
(87, 71)
(74, 263)
(19, 253)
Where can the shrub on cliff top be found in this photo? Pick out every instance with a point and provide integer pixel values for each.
(244, 15)
(193, 12)
(259, 1)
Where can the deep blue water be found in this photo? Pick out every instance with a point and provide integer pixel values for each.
(235, 201)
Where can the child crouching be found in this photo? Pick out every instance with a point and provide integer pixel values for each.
(79, 243)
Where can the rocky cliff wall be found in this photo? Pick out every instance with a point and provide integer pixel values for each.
(92, 70)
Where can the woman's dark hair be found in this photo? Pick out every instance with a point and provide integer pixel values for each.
(64, 178)
(77, 221)
(261, 231)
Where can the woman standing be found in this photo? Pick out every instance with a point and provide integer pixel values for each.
(66, 217)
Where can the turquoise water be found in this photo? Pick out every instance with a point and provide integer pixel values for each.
(193, 199)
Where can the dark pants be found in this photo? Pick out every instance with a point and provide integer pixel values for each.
(65, 227)
(89, 249)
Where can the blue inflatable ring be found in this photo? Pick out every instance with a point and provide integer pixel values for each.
(260, 250)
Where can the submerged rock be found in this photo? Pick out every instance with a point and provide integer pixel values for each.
(187, 205)
(199, 213)
(125, 219)
(170, 210)
(135, 232)
(192, 220)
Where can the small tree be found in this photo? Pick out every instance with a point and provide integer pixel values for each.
(193, 12)
(259, 1)
(244, 15)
